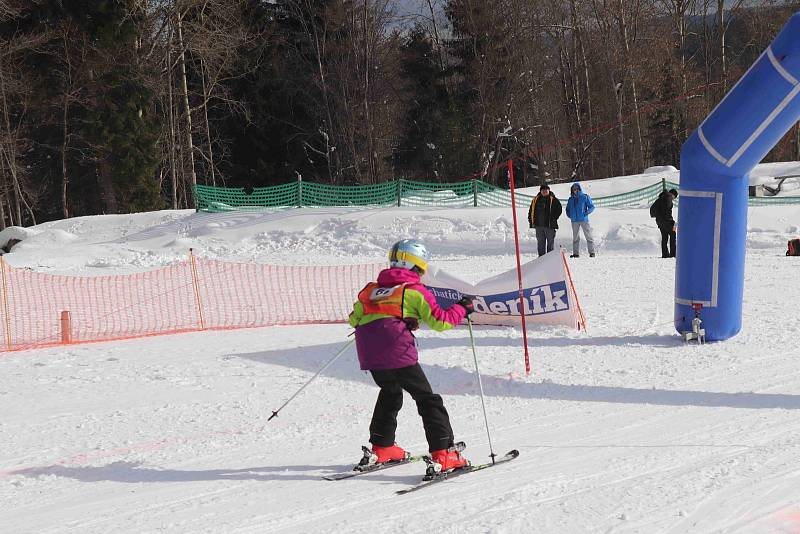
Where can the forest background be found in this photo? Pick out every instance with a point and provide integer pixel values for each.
(111, 106)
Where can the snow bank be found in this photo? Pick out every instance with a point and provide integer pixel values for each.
(322, 236)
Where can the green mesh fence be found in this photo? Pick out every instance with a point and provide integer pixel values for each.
(458, 194)
(473, 193)
(494, 196)
(312, 194)
(215, 199)
(772, 201)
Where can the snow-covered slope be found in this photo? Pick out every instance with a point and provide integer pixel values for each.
(322, 236)
(622, 429)
(124, 243)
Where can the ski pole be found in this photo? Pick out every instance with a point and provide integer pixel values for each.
(480, 386)
(327, 364)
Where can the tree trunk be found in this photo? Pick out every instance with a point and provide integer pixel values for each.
(64, 145)
(182, 201)
(721, 30)
(208, 127)
(681, 27)
(186, 109)
(10, 153)
(331, 156)
(106, 184)
(626, 42)
(172, 162)
(567, 93)
(65, 126)
(367, 117)
(2, 214)
(620, 129)
(587, 82)
(5, 201)
(575, 72)
(797, 142)
(436, 40)
(643, 162)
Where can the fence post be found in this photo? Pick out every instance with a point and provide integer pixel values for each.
(474, 193)
(5, 303)
(663, 184)
(196, 287)
(299, 190)
(66, 327)
(399, 192)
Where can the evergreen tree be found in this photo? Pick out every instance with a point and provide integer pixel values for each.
(122, 127)
(482, 72)
(420, 148)
(267, 144)
(435, 139)
(666, 124)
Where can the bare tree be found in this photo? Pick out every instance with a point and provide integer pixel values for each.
(15, 95)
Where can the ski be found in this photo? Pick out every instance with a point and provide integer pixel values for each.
(510, 455)
(358, 471)
(365, 466)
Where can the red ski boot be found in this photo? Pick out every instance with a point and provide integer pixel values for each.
(388, 454)
(380, 455)
(448, 459)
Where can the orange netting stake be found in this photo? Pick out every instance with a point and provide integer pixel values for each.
(66, 327)
(5, 303)
(197, 290)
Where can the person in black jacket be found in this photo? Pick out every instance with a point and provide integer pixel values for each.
(543, 216)
(662, 211)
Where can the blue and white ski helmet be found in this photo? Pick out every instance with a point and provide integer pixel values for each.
(409, 253)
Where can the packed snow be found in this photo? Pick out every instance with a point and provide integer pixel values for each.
(621, 429)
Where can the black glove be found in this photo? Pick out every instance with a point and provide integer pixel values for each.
(412, 323)
(466, 303)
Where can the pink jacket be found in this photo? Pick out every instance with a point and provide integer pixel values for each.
(384, 341)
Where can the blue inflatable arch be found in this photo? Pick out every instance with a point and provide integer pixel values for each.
(715, 166)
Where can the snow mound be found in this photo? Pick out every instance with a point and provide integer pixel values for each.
(658, 169)
(53, 237)
(16, 232)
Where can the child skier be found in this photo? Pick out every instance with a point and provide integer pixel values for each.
(384, 316)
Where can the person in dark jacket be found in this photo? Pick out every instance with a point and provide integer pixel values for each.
(662, 211)
(543, 216)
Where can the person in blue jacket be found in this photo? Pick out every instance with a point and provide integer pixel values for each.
(579, 206)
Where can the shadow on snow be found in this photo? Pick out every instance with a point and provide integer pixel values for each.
(460, 381)
(134, 473)
(447, 380)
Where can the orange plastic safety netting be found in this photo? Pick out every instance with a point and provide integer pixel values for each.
(41, 309)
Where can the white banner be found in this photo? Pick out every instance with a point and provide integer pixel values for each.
(547, 291)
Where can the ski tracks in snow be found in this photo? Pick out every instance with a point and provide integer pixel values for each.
(624, 430)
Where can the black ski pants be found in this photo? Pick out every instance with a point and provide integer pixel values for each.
(390, 399)
(667, 235)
